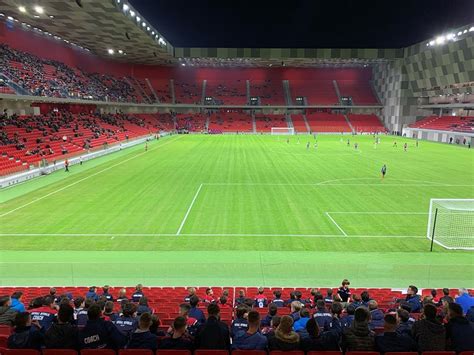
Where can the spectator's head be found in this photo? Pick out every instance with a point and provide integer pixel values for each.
(412, 290)
(48, 301)
(295, 306)
(336, 309)
(272, 310)
(209, 291)
(286, 325)
(179, 325)
(390, 323)
(191, 291)
(5, 301)
(139, 287)
(365, 297)
(304, 313)
(447, 300)
(361, 315)
(241, 311)
(403, 315)
(94, 312)
(312, 327)
(52, 291)
(109, 307)
(105, 289)
(298, 295)
(434, 293)
(143, 301)
(321, 305)
(65, 313)
(17, 295)
(329, 293)
(222, 300)
(275, 322)
(356, 298)
(225, 293)
(345, 283)
(79, 302)
(194, 301)
(144, 323)
(277, 294)
(260, 290)
(427, 299)
(350, 309)
(213, 310)
(92, 289)
(184, 309)
(22, 319)
(318, 296)
(88, 302)
(254, 319)
(129, 310)
(122, 293)
(429, 311)
(155, 323)
(463, 291)
(445, 291)
(454, 310)
(241, 293)
(372, 305)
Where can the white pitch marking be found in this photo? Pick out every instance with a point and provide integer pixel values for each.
(81, 180)
(335, 223)
(378, 212)
(189, 209)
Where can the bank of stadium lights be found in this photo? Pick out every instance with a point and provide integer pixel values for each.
(38, 9)
(22, 9)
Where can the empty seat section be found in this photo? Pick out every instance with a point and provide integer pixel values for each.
(224, 121)
(188, 92)
(446, 123)
(162, 90)
(316, 92)
(264, 123)
(270, 92)
(366, 123)
(227, 92)
(360, 91)
(327, 122)
(193, 122)
(299, 123)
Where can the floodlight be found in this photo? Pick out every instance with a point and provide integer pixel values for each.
(110, 51)
(22, 9)
(38, 9)
(120, 51)
(432, 43)
(126, 7)
(132, 13)
(471, 29)
(459, 33)
(450, 36)
(440, 40)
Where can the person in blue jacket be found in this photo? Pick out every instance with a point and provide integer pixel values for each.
(17, 304)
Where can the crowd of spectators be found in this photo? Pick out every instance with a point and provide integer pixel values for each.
(44, 77)
(333, 321)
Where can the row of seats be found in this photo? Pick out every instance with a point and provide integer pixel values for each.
(446, 123)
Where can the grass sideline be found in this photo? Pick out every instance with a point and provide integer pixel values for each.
(240, 210)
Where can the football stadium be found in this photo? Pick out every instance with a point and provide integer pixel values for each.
(240, 178)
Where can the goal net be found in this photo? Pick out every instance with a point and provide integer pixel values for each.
(278, 131)
(451, 223)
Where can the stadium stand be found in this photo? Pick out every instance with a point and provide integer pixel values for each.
(446, 123)
(230, 121)
(264, 123)
(227, 92)
(327, 122)
(360, 91)
(366, 123)
(188, 92)
(316, 92)
(335, 317)
(269, 91)
(162, 90)
(299, 123)
(192, 122)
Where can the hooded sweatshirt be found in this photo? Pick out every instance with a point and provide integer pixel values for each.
(61, 336)
(358, 337)
(430, 335)
(376, 319)
(284, 341)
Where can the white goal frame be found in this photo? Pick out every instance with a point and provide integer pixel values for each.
(430, 233)
(282, 131)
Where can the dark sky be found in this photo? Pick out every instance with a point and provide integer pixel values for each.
(304, 24)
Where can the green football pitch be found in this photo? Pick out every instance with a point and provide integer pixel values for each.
(246, 210)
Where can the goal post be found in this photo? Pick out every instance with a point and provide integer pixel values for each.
(279, 131)
(451, 223)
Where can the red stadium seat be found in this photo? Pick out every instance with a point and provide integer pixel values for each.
(173, 352)
(211, 352)
(324, 353)
(3, 341)
(402, 353)
(441, 353)
(59, 352)
(5, 330)
(135, 352)
(22, 352)
(362, 353)
(249, 352)
(98, 352)
(294, 352)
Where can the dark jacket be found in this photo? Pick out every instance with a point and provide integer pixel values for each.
(143, 340)
(126, 325)
(460, 334)
(245, 341)
(237, 325)
(7, 315)
(376, 319)
(325, 341)
(143, 309)
(25, 338)
(430, 335)
(197, 314)
(405, 327)
(392, 341)
(323, 318)
(358, 338)
(184, 342)
(99, 334)
(61, 336)
(347, 320)
(415, 302)
(213, 334)
(276, 342)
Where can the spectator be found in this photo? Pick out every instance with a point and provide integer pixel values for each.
(122, 296)
(272, 312)
(92, 294)
(260, 299)
(459, 331)
(295, 307)
(376, 315)
(191, 293)
(240, 322)
(78, 305)
(470, 314)
(300, 324)
(359, 337)
(365, 298)
(16, 302)
(413, 299)
(348, 318)
(81, 315)
(405, 322)
(344, 292)
(195, 312)
(356, 301)
(446, 296)
(316, 340)
(179, 339)
(239, 300)
(329, 296)
(138, 293)
(251, 339)
(106, 293)
(209, 297)
(143, 306)
(392, 341)
(46, 314)
(213, 334)
(434, 294)
(278, 301)
(322, 316)
(142, 338)
(27, 334)
(284, 339)
(155, 326)
(62, 334)
(127, 322)
(223, 303)
(465, 300)
(7, 313)
(109, 311)
(191, 322)
(98, 333)
(428, 332)
(270, 331)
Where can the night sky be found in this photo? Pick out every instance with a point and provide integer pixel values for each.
(304, 24)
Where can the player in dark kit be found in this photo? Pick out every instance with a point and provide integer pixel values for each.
(384, 170)
(66, 165)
